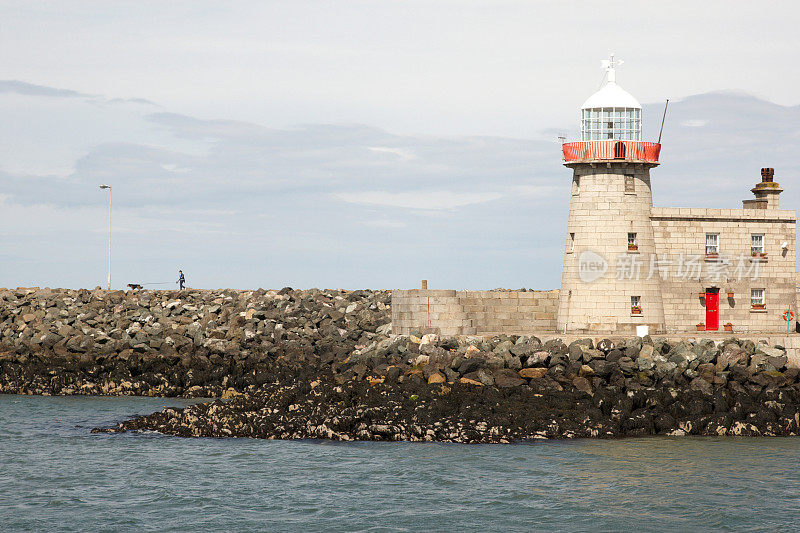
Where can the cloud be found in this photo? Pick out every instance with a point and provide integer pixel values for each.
(195, 128)
(539, 191)
(172, 167)
(29, 89)
(142, 101)
(205, 162)
(245, 205)
(694, 123)
(425, 200)
(399, 152)
(387, 224)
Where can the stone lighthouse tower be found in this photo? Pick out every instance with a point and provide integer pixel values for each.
(610, 279)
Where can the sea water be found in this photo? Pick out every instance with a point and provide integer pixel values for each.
(56, 475)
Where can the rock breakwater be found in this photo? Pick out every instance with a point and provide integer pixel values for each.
(324, 364)
(176, 343)
(505, 389)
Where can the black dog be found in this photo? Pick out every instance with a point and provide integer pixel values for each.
(135, 286)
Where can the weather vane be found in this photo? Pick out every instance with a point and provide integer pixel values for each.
(610, 65)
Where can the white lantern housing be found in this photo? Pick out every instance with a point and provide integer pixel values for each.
(612, 112)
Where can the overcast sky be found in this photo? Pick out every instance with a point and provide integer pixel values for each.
(360, 143)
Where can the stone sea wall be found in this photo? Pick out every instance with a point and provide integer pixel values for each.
(450, 312)
(170, 343)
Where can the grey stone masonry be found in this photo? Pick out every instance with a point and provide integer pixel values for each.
(609, 203)
(628, 263)
(450, 312)
(683, 231)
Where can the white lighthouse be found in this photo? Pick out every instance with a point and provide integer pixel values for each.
(609, 219)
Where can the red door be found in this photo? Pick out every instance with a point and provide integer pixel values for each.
(712, 309)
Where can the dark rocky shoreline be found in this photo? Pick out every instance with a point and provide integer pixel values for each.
(508, 389)
(324, 364)
(467, 413)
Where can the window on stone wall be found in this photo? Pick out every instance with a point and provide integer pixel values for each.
(571, 242)
(630, 184)
(712, 243)
(757, 298)
(576, 185)
(632, 243)
(757, 244)
(636, 307)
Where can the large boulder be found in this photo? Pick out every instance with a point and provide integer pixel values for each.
(582, 384)
(575, 351)
(769, 351)
(539, 358)
(708, 355)
(526, 346)
(503, 347)
(507, 377)
(627, 365)
(606, 345)
(602, 368)
(591, 353)
(779, 361)
(700, 384)
(730, 356)
(533, 373)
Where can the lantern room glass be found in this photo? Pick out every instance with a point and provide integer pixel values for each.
(608, 123)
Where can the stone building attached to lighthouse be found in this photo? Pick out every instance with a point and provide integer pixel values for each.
(629, 264)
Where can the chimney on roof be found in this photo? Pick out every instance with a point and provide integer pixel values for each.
(766, 192)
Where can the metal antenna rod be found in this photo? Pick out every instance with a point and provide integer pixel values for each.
(662, 121)
(109, 238)
(109, 233)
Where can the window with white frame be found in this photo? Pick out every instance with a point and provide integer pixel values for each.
(712, 243)
(601, 123)
(632, 244)
(757, 297)
(757, 243)
(636, 304)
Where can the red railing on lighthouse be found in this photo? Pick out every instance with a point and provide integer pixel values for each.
(611, 150)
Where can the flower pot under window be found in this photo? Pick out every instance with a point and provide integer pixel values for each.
(636, 310)
(701, 327)
(729, 327)
(759, 306)
(633, 247)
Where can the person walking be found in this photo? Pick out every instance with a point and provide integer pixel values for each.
(181, 280)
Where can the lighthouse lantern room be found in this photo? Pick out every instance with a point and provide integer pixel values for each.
(612, 112)
(611, 126)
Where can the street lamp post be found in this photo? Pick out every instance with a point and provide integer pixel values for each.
(109, 233)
